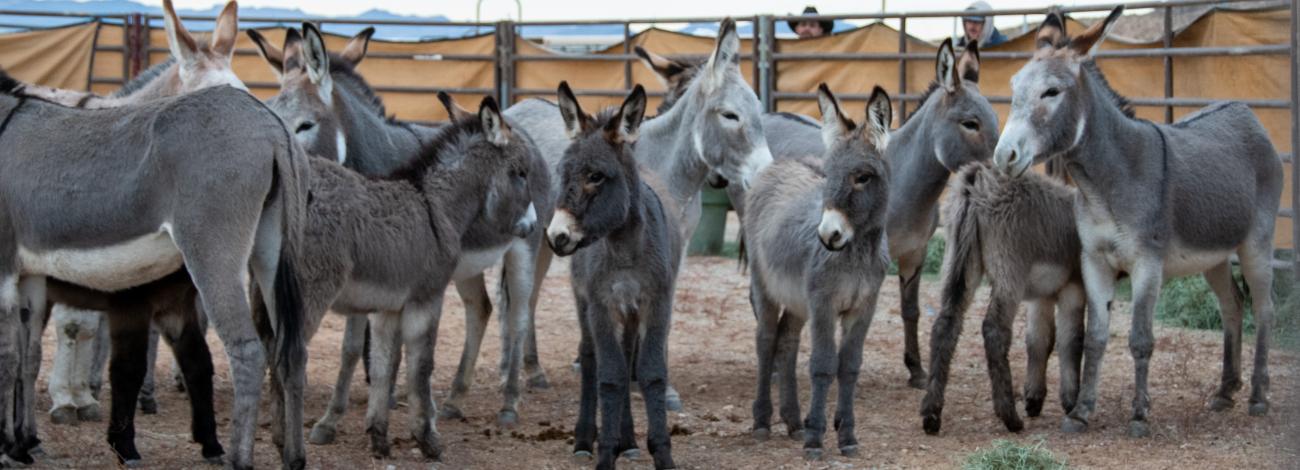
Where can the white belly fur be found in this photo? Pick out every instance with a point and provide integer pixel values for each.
(1102, 233)
(472, 263)
(111, 268)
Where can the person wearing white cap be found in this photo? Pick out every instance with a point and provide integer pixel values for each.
(978, 26)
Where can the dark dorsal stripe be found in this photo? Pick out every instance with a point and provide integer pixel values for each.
(456, 134)
(1090, 67)
(140, 81)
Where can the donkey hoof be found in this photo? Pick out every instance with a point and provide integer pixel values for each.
(37, 451)
(90, 412)
(1071, 425)
(450, 412)
(630, 454)
(762, 434)
(507, 418)
(149, 406)
(539, 382)
(64, 415)
(795, 434)
(133, 463)
(1138, 429)
(932, 424)
(1014, 424)
(813, 453)
(217, 460)
(673, 401)
(1259, 408)
(849, 451)
(918, 381)
(322, 434)
(1033, 407)
(430, 446)
(583, 456)
(1221, 404)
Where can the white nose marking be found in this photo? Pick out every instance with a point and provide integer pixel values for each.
(834, 223)
(341, 146)
(563, 224)
(530, 217)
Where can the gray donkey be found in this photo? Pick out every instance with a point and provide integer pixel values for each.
(715, 127)
(616, 219)
(337, 113)
(953, 126)
(392, 245)
(818, 253)
(124, 196)
(1155, 201)
(1020, 234)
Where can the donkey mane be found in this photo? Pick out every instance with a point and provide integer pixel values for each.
(458, 135)
(144, 78)
(341, 69)
(1122, 102)
(925, 96)
(10, 85)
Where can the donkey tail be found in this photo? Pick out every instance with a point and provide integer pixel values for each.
(963, 265)
(293, 178)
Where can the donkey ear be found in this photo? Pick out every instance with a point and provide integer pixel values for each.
(668, 71)
(489, 114)
(575, 121)
(1087, 42)
(945, 67)
(227, 30)
(273, 55)
(726, 53)
(623, 128)
(356, 48)
(834, 124)
(968, 66)
(314, 55)
(182, 44)
(1052, 32)
(879, 114)
(455, 112)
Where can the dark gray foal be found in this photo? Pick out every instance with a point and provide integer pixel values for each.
(793, 205)
(615, 219)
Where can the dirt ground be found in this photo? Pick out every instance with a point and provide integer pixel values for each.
(713, 365)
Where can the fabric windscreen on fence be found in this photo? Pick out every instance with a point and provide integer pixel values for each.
(62, 57)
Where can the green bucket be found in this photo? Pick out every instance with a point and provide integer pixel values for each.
(712, 230)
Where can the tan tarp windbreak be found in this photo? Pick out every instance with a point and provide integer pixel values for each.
(62, 57)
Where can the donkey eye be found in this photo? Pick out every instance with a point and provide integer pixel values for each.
(971, 125)
(862, 179)
(1051, 92)
(304, 127)
(730, 116)
(595, 178)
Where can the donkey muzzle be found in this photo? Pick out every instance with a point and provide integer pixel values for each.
(526, 224)
(564, 234)
(834, 231)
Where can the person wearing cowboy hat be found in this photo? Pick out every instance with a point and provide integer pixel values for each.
(808, 29)
(977, 26)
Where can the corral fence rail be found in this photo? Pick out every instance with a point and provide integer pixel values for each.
(764, 56)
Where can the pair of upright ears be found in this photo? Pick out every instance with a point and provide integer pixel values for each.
(620, 129)
(836, 126)
(1052, 34)
(307, 49)
(185, 48)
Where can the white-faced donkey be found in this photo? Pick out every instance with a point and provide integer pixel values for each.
(1020, 234)
(816, 230)
(615, 218)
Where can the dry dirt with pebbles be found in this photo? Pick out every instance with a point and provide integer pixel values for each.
(713, 365)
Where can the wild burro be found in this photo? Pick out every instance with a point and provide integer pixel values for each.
(715, 127)
(1020, 234)
(817, 254)
(388, 247)
(954, 125)
(334, 111)
(123, 196)
(83, 335)
(1155, 201)
(616, 219)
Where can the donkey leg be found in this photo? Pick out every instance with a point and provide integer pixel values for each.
(72, 342)
(10, 366)
(626, 432)
(532, 365)
(33, 292)
(148, 399)
(100, 349)
(823, 366)
(584, 432)
(184, 335)
(354, 337)
(853, 336)
(1099, 282)
(517, 280)
(1040, 335)
(652, 376)
(1069, 342)
(613, 376)
(768, 317)
(420, 335)
(787, 359)
(997, 342)
(1257, 267)
(1231, 310)
(478, 308)
(909, 278)
(228, 309)
(1147, 279)
(943, 344)
(130, 340)
(384, 331)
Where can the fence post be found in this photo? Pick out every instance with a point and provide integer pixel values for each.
(505, 62)
(767, 74)
(1295, 138)
(1169, 63)
(902, 70)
